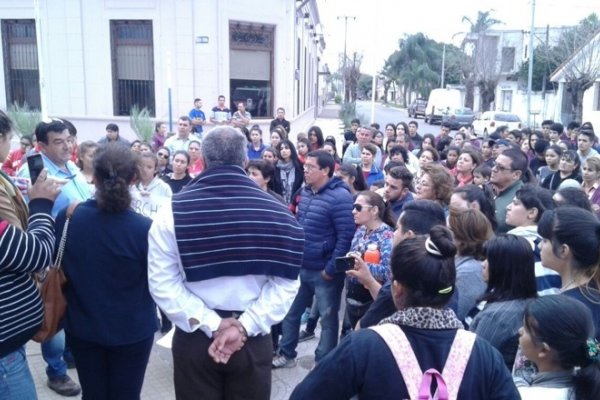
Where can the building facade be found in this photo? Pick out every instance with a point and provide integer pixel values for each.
(505, 51)
(93, 60)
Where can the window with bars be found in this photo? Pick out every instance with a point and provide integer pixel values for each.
(132, 52)
(21, 69)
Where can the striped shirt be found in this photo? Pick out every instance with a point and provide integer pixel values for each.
(21, 253)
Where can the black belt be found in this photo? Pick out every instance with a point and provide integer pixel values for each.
(228, 314)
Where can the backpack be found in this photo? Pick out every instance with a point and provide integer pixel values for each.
(418, 383)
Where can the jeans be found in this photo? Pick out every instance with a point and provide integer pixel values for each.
(52, 351)
(111, 372)
(313, 318)
(354, 312)
(327, 296)
(16, 382)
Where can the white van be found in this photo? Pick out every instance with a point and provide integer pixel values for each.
(442, 101)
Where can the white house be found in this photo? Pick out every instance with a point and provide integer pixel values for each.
(585, 60)
(100, 57)
(510, 49)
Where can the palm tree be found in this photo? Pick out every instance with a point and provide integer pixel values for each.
(480, 68)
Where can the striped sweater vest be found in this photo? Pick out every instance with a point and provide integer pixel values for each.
(225, 225)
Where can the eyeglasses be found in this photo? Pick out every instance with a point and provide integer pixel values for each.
(359, 207)
(309, 167)
(163, 155)
(500, 168)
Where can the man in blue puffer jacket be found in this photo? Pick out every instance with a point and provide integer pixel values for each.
(325, 213)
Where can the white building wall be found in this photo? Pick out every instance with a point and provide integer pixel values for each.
(77, 54)
(591, 111)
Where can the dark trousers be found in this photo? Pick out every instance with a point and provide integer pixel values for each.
(247, 375)
(111, 372)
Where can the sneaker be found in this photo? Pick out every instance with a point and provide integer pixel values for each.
(65, 386)
(282, 361)
(304, 336)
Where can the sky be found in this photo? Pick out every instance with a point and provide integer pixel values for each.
(379, 24)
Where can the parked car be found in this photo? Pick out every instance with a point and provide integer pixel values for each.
(417, 107)
(490, 120)
(442, 101)
(459, 117)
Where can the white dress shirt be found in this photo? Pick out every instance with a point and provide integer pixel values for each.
(264, 300)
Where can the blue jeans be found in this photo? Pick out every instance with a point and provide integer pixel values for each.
(16, 382)
(327, 296)
(52, 351)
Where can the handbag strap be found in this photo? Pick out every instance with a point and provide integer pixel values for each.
(415, 380)
(63, 238)
(457, 361)
(404, 355)
(441, 392)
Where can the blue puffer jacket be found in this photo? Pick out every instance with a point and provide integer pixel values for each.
(326, 217)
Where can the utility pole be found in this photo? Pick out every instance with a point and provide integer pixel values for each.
(443, 66)
(345, 18)
(530, 70)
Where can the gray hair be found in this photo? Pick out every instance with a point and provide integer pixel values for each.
(224, 146)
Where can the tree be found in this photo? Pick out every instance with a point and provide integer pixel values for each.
(480, 67)
(365, 85)
(579, 51)
(544, 63)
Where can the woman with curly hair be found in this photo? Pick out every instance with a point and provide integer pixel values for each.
(435, 184)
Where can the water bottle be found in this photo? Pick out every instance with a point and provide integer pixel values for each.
(372, 254)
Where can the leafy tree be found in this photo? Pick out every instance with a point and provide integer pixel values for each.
(581, 72)
(544, 63)
(365, 85)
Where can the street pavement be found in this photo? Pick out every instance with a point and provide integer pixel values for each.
(158, 382)
(385, 114)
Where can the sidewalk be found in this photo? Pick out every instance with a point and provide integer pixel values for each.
(158, 383)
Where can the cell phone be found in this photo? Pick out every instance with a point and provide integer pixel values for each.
(36, 165)
(343, 264)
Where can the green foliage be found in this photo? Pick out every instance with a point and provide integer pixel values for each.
(141, 123)
(25, 119)
(483, 22)
(544, 63)
(338, 99)
(417, 65)
(365, 84)
(348, 113)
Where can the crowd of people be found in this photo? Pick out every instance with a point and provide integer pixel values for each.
(442, 249)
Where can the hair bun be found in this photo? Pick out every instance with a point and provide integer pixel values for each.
(441, 238)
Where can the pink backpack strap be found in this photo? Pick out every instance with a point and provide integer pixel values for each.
(457, 361)
(404, 356)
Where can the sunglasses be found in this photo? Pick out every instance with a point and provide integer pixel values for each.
(163, 155)
(359, 207)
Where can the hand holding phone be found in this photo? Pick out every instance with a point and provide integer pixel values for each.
(35, 163)
(44, 187)
(343, 264)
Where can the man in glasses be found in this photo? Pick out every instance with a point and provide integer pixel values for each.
(508, 172)
(325, 213)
